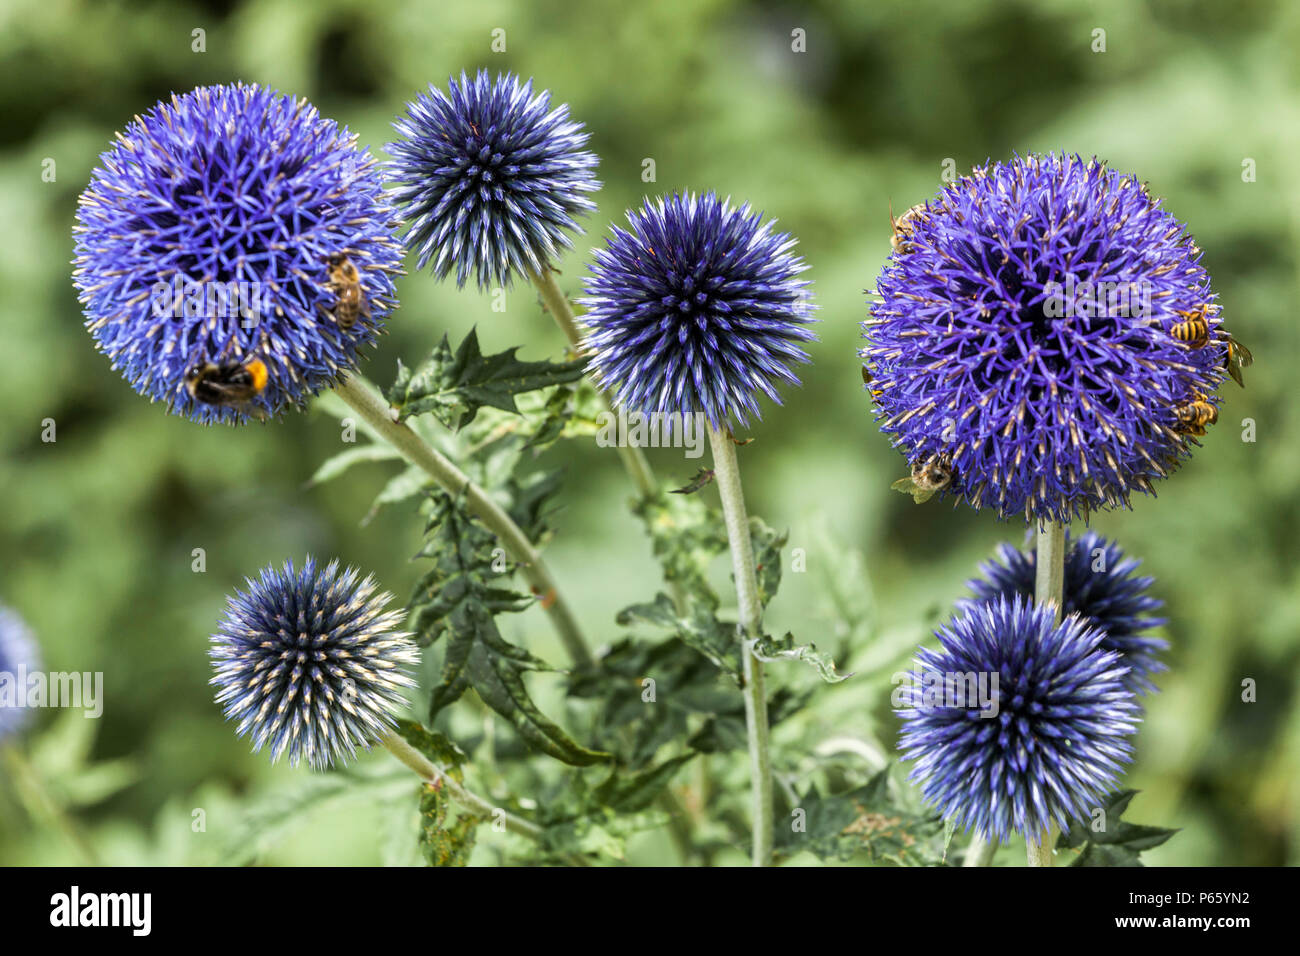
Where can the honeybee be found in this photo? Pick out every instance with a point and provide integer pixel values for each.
(928, 477)
(1194, 329)
(1191, 419)
(1236, 358)
(228, 384)
(902, 226)
(350, 298)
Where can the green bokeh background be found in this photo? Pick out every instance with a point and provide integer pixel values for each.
(97, 528)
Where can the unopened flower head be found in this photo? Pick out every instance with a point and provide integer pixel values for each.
(492, 178)
(1100, 587)
(696, 307)
(216, 244)
(1025, 330)
(18, 655)
(310, 664)
(1061, 732)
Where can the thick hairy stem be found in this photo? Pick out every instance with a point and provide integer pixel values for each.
(1049, 584)
(557, 303)
(370, 406)
(980, 852)
(727, 474)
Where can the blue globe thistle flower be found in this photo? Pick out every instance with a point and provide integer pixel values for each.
(491, 178)
(309, 662)
(204, 244)
(696, 308)
(1058, 738)
(1099, 586)
(1025, 335)
(18, 656)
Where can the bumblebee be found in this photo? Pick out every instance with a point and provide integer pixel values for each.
(928, 477)
(228, 384)
(1194, 329)
(1236, 357)
(350, 298)
(1191, 419)
(902, 226)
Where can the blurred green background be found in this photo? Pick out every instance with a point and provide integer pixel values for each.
(97, 529)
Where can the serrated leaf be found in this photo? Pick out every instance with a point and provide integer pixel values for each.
(686, 535)
(1119, 844)
(769, 649)
(441, 843)
(457, 600)
(436, 746)
(599, 833)
(700, 629)
(866, 820)
(407, 483)
(454, 386)
(767, 545)
(629, 792)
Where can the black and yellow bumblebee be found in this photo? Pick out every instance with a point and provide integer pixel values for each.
(1194, 329)
(1191, 419)
(228, 384)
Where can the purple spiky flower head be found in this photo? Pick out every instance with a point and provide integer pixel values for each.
(696, 307)
(1100, 587)
(18, 658)
(491, 178)
(1043, 746)
(1024, 330)
(310, 663)
(205, 237)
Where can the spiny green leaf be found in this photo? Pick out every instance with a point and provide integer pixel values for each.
(629, 792)
(767, 545)
(785, 649)
(686, 535)
(1117, 843)
(443, 844)
(866, 820)
(458, 599)
(436, 746)
(453, 387)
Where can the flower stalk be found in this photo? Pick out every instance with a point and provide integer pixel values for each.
(432, 774)
(360, 396)
(1049, 584)
(727, 473)
(561, 309)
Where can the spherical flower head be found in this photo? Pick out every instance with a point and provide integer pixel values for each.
(1025, 332)
(1052, 738)
(18, 657)
(491, 178)
(1100, 587)
(204, 246)
(697, 307)
(310, 663)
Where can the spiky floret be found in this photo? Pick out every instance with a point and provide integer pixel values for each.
(1099, 586)
(696, 307)
(985, 345)
(18, 657)
(205, 236)
(310, 663)
(491, 178)
(1060, 735)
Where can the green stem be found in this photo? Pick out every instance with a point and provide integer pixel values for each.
(980, 852)
(370, 406)
(1049, 584)
(727, 474)
(431, 773)
(42, 806)
(557, 303)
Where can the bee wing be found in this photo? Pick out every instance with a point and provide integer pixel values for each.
(1241, 354)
